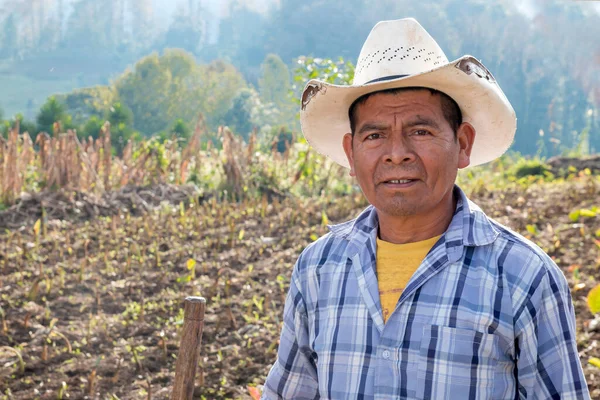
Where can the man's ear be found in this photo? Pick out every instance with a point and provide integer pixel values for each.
(347, 143)
(465, 136)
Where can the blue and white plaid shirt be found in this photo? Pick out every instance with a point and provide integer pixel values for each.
(487, 315)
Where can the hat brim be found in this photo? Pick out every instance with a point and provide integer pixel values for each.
(324, 114)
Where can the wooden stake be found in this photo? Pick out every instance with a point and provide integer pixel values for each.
(189, 348)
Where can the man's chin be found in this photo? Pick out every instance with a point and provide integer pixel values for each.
(402, 210)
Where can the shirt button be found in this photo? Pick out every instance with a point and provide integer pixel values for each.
(386, 354)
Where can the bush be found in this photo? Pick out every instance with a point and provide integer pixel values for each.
(529, 167)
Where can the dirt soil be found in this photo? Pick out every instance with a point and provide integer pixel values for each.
(75, 206)
(93, 305)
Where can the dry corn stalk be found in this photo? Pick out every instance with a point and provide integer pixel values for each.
(192, 149)
(11, 178)
(126, 162)
(250, 148)
(231, 166)
(3, 154)
(56, 128)
(88, 179)
(107, 154)
(43, 141)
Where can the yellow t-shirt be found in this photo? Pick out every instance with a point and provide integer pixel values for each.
(396, 263)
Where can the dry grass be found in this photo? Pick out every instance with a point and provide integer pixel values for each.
(239, 169)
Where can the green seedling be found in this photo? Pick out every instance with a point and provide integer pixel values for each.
(17, 353)
(62, 391)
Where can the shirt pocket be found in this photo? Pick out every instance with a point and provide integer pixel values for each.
(456, 364)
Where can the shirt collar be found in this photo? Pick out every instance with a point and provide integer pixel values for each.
(469, 226)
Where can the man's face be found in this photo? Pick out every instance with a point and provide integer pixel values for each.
(404, 153)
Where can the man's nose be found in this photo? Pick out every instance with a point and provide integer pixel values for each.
(399, 150)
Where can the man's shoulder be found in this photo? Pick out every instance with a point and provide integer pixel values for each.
(524, 263)
(329, 247)
(333, 248)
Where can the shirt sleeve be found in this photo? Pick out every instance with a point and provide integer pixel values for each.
(294, 374)
(548, 363)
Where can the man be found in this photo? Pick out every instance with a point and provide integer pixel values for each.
(422, 296)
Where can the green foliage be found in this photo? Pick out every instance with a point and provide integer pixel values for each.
(156, 146)
(100, 39)
(82, 104)
(119, 114)
(274, 82)
(529, 167)
(24, 125)
(91, 128)
(181, 129)
(339, 72)
(121, 119)
(274, 86)
(4, 128)
(145, 90)
(161, 89)
(52, 111)
(283, 138)
(180, 132)
(239, 117)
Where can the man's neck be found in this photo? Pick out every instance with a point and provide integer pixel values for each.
(418, 227)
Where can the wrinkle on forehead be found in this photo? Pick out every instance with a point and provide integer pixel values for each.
(400, 108)
(415, 120)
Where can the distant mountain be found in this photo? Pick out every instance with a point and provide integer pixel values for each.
(545, 53)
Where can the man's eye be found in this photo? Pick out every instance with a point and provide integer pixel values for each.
(373, 136)
(421, 132)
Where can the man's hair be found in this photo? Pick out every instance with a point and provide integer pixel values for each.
(450, 108)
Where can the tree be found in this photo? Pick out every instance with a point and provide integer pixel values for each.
(181, 129)
(84, 103)
(121, 125)
(218, 83)
(52, 111)
(91, 128)
(145, 90)
(248, 112)
(238, 117)
(119, 114)
(25, 125)
(274, 82)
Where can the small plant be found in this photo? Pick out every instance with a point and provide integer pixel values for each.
(529, 167)
(17, 353)
(62, 391)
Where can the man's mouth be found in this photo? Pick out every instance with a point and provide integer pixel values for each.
(399, 181)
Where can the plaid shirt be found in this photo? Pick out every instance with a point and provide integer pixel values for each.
(487, 315)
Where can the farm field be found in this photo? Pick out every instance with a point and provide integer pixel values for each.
(94, 306)
(98, 252)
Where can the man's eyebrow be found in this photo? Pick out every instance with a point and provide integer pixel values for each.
(420, 120)
(373, 126)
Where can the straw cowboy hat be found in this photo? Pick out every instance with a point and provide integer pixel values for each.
(399, 54)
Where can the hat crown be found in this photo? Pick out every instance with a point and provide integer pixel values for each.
(397, 48)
